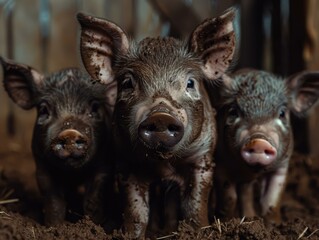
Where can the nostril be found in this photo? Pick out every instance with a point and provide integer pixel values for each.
(80, 143)
(250, 150)
(58, 146)
(173, 128)
(150, 127)
(270, 152)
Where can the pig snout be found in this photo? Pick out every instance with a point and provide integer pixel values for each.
(161, 131)
(258, 152)
(70, 143)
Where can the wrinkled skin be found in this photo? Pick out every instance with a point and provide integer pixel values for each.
(164, 125)
(255, 139)
(70, 135)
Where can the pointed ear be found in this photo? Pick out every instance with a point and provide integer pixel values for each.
(214, 41)
(304, 91)
(21, 82)
(101, 42)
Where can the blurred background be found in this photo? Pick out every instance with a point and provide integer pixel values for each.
(280, 36)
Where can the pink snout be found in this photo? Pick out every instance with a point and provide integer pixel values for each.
(259, 152)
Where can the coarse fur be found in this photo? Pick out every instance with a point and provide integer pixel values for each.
(68, 105)
(163, 122)
(255, 106)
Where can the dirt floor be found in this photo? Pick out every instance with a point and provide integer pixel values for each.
(21, 217)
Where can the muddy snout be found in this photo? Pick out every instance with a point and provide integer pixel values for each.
(258, 152)
(161, 131)
(70, 143)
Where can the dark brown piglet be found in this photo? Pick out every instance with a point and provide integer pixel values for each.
(255, 139)
(164, 125)
(70, 138)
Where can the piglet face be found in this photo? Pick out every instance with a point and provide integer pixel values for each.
(71, 112)
(256, 115)
(160, 100)
(72, 115)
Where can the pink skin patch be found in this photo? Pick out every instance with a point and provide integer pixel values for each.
(259, 151)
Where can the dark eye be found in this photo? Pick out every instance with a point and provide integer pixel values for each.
(95, 109)
(43, 112)
(282, 113)
(95, 106)
(128, 82)
(233, 112)
(190, 83)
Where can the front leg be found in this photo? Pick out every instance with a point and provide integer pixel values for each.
(273, 187)
(54, 203)
(195, 193)
(99, 197)
(246, 199)
(226, 194)
(136, 209)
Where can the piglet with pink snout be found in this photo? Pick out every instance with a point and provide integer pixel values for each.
(255, 139)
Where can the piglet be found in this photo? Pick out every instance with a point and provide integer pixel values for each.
(164, 124)
(71, 135)
(256, 140)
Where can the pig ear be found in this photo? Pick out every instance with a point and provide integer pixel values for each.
(214, 41)
(21, 82)
(304, 89)
(101, 41)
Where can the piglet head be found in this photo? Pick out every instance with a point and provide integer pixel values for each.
(72, 112)
(255, 115)
(161, 100)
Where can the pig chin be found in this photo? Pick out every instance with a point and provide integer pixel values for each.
(72, 162)
(156, 148)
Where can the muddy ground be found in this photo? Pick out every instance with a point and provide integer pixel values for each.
(21, 217)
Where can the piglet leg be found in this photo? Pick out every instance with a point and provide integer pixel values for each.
(226, 195)
(246, 199)
(196, 193)
(98, 192)
(54, 202)
(273, 187)
(136, 210)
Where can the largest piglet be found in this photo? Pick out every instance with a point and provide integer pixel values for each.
(164, 124)
(70, 138)
(256, 140)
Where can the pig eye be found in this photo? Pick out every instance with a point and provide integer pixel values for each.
(190, 83)
(128, 82)
(282, 113)
(95, 106)
(233, 112)
(95, 110)
(43, 112)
